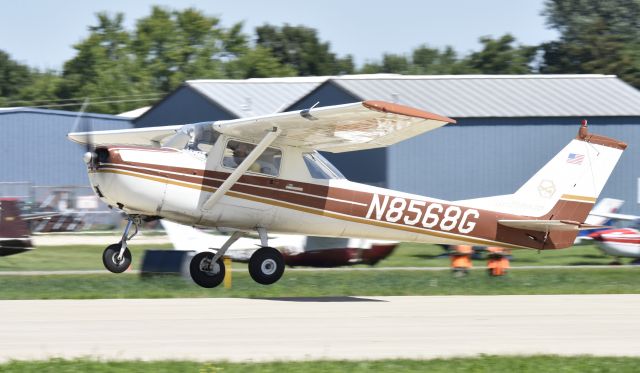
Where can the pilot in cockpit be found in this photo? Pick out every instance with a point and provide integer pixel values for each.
(240, 152)
(193, 138)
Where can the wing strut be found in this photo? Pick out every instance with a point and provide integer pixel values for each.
(242, 168)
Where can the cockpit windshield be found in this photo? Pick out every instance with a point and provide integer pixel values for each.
(197, 136)
(320, 168)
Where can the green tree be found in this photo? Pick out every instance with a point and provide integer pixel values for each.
(434, 61)
(423, 61)
(175, 46)
(300, 48)
(14, 76)
(391, 64)
(257, 63)
(41, 91)
(596, 36)
(500, 56)
(103, 69)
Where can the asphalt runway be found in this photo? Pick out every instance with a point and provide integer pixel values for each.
(320, 328)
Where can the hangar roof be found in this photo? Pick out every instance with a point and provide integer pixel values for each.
(502, 95)
(12, 110)
(458, 96)
(253, 97)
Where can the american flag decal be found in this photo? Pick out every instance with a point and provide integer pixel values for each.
(574, 158)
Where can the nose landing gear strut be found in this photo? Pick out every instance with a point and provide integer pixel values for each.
(117, 257)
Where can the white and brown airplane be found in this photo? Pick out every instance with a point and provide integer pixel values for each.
(265, 174)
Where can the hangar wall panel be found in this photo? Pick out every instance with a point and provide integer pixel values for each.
(492, 156)
(35, 147)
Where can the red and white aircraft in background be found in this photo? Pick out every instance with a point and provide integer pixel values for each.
(618, 242)
(600, 216)
(264, 174)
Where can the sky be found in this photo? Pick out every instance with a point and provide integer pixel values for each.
(42, 33)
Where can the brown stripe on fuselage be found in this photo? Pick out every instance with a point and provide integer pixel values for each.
(321, 199)
(259, 186)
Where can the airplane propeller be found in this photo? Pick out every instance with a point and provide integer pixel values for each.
(83, 124)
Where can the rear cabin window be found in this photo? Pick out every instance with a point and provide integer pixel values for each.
(268, 163)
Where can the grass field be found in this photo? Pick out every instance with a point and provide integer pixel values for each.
(78, 257)
(406, 255)
(318, 284)
(328, 284)
(521, 364)
(418, 255)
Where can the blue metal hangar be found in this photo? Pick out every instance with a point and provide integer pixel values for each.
(508, 125)
(35, 148)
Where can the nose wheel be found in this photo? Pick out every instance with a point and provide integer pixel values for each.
(266, 266)
(113, 261)
(117, 257)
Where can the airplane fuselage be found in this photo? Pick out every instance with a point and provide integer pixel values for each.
(174, 184)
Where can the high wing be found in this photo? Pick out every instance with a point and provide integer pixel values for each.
(136, 136)
(340, 128)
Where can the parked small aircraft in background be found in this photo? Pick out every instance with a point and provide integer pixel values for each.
(619, 242)
(600, 215)
(264, 174)
(15, 235)
(297, 250)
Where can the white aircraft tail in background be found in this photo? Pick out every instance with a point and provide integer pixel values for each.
(604, 211)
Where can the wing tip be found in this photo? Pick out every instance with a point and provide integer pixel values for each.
(389, 107)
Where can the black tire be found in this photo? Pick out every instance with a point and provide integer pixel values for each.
(110, 258)
(201, 271)
(266, 266)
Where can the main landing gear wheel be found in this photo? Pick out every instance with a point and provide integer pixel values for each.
(266, 266)
(206, 273)
(112, 262)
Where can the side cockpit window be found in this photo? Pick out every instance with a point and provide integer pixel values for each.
(268, 163)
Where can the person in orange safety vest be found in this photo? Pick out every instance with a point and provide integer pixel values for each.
(461, 260)
(497, 261)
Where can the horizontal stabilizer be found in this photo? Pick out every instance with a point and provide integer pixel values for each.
(548, 225)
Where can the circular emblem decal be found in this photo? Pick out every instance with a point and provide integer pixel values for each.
(546, 189)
